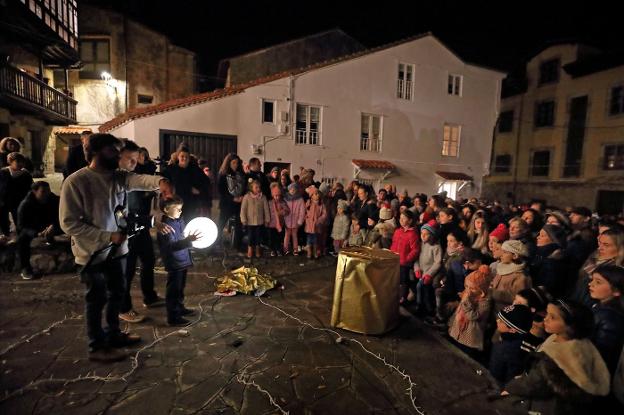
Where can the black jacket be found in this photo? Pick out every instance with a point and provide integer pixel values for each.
(184, 179)
(608, 335)
(31, 214)
(75, 160)
(548, 269)
(174, 247)
(13, 189)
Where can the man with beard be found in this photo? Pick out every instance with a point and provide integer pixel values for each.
(89, 198)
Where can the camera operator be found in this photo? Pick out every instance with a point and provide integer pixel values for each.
(89, 200)
(140, 246)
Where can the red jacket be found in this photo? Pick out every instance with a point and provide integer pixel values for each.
(406, 243)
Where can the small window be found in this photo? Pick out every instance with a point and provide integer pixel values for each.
(145, 99)
(505, 122)
(370, 135)
(616, 102)
(268, 111)
(545, 114)
(405, 81)
(451, 140)
(540, 165)
(549, 72)
(95, 56)
(502, 163)
(613, 157)
(308, 125)
(455, 85)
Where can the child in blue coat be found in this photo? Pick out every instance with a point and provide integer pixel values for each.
(176, 256)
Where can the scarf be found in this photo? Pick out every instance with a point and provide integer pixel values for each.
(506, 269)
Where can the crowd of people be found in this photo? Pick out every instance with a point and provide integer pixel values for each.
(532, 292)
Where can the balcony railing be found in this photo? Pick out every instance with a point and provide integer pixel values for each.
(369, 144)
(36, 96)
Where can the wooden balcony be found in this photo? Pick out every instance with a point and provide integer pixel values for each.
(22, 92)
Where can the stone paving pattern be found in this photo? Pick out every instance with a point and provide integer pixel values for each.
(235, 341)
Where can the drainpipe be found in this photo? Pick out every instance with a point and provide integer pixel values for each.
(518, 136)
(291, 99)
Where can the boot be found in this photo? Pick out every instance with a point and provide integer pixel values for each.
(258, 252)
(249, 252)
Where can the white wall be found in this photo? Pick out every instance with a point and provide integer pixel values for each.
(412, 130)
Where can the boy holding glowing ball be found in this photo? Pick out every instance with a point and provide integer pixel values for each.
(176, 256)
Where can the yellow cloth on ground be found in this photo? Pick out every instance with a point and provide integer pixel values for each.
(245, 280)
(366, 293)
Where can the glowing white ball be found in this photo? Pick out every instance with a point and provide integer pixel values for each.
(206, 228)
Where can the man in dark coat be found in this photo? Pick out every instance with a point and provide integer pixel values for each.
(76, 157)
(38, 215)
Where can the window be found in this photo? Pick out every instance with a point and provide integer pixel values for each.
(405, 81)
(616, 103)
(613, 157)
(145, 99)
(455, 85)
(502, 163)
(549, 72)
(505, 122)
(450, 141)
(545, 114)
(268, 111)
(95, 55)
(540, 164)
(370, 137)
(308, 124)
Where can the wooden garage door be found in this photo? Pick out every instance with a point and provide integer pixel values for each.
(210, 147)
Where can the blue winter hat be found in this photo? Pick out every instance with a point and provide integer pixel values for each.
(294, 186)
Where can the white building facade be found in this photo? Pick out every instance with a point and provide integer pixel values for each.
(412, 114)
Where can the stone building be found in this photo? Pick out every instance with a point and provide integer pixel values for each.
(125, 66)
(560, 136)
(37, 38)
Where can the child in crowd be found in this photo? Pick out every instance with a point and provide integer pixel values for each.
(510, 277)
(340, 228)
(427, 267)
(176, 256)
(279, 210)
(316, 215)
(294, 219)
(495, 243)
(356, 233)
(506, 361)
(406, 243)
(468, 323)
(255, 215)
(568, 373)
(536, 299)
(373, 235)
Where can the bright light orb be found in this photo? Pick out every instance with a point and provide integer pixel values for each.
(206, 227)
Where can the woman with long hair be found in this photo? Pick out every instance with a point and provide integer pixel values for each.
(479, 233)
(231, 186)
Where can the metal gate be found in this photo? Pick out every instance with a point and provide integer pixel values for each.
(210, 147)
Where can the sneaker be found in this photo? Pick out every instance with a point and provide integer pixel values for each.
(188, 311)
(156, 302)
(279, 253)
(273, 253)
(436, 322)
(107, 355)
(286, 252)
(178, 322)
(131, 317)
(124, 339)
(296, 253)
(27, 274)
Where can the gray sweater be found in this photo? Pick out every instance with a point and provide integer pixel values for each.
(88, 201)
(430, 259)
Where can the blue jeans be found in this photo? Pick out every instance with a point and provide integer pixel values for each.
(105, 285)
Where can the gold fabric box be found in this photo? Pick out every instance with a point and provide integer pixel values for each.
(366, 294)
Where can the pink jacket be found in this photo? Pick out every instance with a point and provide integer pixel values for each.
(315, 218)
(279, 210)
(296, 217)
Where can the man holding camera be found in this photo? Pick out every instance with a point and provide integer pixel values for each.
(89, 199)
(141, 245)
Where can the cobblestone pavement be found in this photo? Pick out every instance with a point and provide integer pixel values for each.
(242, 355)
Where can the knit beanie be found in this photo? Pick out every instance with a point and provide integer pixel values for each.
(342, 204)
(431, 227)
(385, 213)
(515, 247)
(517, 317)
(480, 278)
(294, 186)
(561, 218)
(556, 234)
(500, 233)
(324, 188)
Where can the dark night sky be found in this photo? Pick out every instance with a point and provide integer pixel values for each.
(494, 33)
